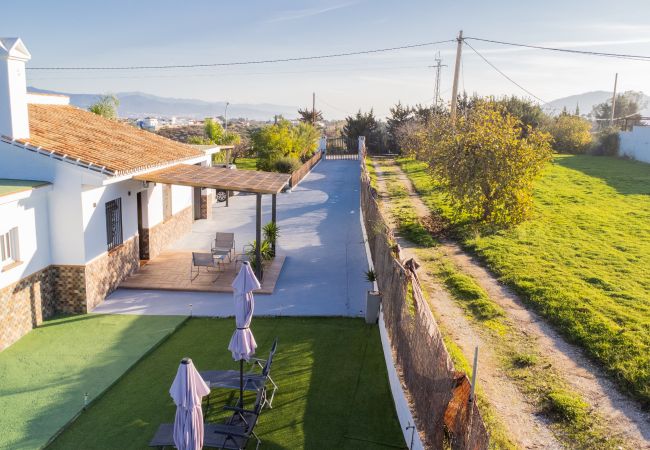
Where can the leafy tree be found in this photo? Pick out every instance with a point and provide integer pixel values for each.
(530, 114)
(486, 165)
(399, 115)
(571, 134)
(628, 105)
(363, 124)
(105, 106)
(310, 116)
(215, 135)
(283, 140)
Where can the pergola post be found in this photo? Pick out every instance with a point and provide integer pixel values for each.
(273, 215)
(258, 237)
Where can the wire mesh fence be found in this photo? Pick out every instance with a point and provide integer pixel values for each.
(439, 395)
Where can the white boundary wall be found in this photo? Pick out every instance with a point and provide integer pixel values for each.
(636, 143)
(406, 419)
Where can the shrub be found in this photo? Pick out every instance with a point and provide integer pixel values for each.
(607, 143)
(283, 140)
(566, 407)
(486, 165)
(571, 134)
(286, 164)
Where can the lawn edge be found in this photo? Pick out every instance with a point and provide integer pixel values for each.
(151, 349)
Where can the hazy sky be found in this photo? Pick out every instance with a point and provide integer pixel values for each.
(118, 33)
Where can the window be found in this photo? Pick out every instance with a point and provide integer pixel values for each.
(9, 247)
(114, 223)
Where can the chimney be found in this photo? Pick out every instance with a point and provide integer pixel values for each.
(14, 119)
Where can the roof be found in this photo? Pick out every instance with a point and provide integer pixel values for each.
(9, 186)
(219, 178)
(92, 139)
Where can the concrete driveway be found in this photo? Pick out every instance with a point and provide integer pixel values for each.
(320, 235)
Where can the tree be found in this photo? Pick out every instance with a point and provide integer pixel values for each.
(105, 106)
(530, 114)
(213, 134)
(310, 116)
(363, 124)
(485, 163)
(571, 134)
(399, 115)
(628, 105)
(283, 140)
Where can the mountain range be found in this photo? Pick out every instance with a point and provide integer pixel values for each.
(588, 100)
(139, 104)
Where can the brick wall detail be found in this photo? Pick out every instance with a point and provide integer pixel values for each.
(103, 274)
(163, 234)
(24, 305)
(208, 197)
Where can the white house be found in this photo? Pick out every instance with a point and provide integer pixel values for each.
(636, 143)
(73, 220)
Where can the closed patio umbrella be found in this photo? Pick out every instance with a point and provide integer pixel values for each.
(242, 344)
(187, 391)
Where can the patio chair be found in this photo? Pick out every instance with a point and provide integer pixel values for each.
(229, 379)
(224, 242)
(234, 434)
(207, 260)
(244, 256)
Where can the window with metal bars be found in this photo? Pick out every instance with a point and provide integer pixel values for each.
(114, 236)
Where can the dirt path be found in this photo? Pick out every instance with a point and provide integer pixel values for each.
(527, 428)
(623, 416)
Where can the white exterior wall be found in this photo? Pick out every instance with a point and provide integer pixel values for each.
(181, 198)
(65, 212)
(28, 211)
(93, 201)
(636, 143)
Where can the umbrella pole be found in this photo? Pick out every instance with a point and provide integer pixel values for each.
(241, 383)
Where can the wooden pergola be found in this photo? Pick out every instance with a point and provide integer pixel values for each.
(221, 178)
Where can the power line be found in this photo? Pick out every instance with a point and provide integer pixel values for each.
(244, 63)
(504, 75)
(566, 50)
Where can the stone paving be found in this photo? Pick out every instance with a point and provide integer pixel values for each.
(320, 235)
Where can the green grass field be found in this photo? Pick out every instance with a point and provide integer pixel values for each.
(582, 259)
(333, 388)
(246, 163)
(44, 376)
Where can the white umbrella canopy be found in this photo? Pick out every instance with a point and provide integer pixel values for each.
(242, 343)
(187, 390)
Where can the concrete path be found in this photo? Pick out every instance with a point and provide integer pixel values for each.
(320, 235)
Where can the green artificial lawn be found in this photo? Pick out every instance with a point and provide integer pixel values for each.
(44, 376)
(333, 388)
(582, 259)
(246, 163)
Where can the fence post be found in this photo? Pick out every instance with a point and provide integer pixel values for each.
(322, 144)
(362, 146)
(474, 370)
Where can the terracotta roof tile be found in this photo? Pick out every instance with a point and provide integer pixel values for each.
(118, 147)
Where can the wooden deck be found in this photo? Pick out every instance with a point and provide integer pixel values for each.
(170, 271)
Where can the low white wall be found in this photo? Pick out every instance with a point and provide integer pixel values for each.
(404, 415)
(93, 200)
(636, 143)
(28, 212)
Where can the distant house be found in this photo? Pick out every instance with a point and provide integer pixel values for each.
(149, 124)
(73, 220)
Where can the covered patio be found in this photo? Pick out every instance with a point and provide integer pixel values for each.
(171, 269)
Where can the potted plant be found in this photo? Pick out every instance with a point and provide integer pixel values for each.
(271, 234)
(373, 299)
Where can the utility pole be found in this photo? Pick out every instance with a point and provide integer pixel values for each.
(611, 120)
(225, 118)
(313, 109)
(436, 90)
(454, 90)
